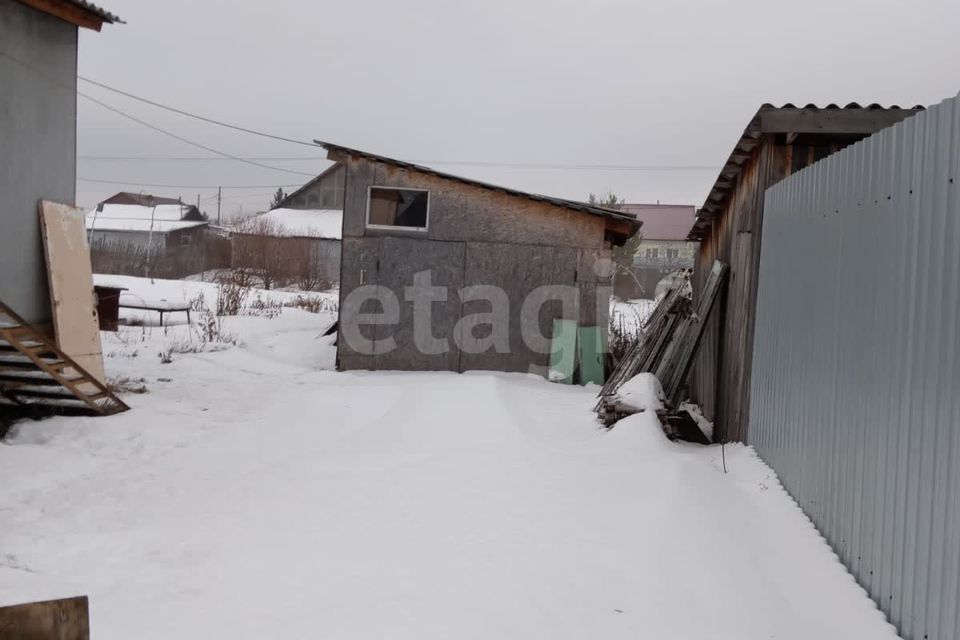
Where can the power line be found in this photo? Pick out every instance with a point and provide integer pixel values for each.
(186, 186)
(253, 160)
(71, 89)
(190, 142)
(481, 163)
(195, 116)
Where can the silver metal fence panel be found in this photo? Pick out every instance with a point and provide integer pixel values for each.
(855, 397)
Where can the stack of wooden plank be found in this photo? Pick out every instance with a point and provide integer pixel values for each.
(667, 344)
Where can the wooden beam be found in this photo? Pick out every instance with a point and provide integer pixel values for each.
(618, 228)
(837, 121)
(336, 156)
(67, 11)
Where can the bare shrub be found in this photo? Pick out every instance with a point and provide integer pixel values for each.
(240, 277)
(263, 307)
(260, 250)
(313, 304)
(197, 302)
(230, 299)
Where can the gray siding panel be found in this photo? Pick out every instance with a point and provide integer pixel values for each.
(517, 270)
(400, 260)
(856, 382)
(358, 266)
(38, 113)
(460, 212)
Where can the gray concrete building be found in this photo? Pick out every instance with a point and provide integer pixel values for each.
(401, 220)
(38, 134)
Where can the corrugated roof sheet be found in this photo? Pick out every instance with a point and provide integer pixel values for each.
(103, 14)
(748, 142)
(559, 202)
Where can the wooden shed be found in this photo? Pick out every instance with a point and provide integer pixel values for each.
(400, 220)
(777, 142)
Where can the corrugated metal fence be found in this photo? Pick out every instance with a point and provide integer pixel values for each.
(855, 396)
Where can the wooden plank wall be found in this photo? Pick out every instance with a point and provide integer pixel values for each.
(720, 381)
(66, 619)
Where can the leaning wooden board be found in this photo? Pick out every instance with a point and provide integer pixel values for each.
(70, 276)
(66, 619)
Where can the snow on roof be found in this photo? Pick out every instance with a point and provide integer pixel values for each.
(295, 223)
(133, 217)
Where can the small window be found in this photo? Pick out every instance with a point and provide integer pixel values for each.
(653, 253)
(186, 239)
(673, 253)
(404, 208)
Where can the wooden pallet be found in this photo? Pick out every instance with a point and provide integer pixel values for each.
(34, 372)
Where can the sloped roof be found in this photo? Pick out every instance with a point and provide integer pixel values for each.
(145, 199)
(78, 12)
(103, 14)
(851, 120)
(287, 199)
(295, 223)
(582, 207)
(663, 221)
(133, 217)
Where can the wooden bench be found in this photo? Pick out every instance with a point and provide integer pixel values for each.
(160, 307)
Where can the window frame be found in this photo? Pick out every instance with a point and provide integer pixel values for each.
(396, 227)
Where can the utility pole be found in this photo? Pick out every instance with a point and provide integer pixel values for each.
(198, 202)
(219, 193)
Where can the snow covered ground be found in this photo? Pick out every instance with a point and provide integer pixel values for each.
(254, 493)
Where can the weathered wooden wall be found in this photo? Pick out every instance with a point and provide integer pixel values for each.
(475, 236)
(721, 374)
(777, 142)
(66, 619)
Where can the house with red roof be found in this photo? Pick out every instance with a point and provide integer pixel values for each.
(663, 247)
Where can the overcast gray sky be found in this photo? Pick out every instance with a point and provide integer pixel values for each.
(665, 84)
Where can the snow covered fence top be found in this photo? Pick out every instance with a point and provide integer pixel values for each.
(295, 223)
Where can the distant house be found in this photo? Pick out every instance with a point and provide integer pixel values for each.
(164, 240)
(158, 228)
(664, 247)
(323, 192)
(38, 135)
(142, 199)
(447, 273)
(291, 246)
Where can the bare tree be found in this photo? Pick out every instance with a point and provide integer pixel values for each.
(260, 249)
